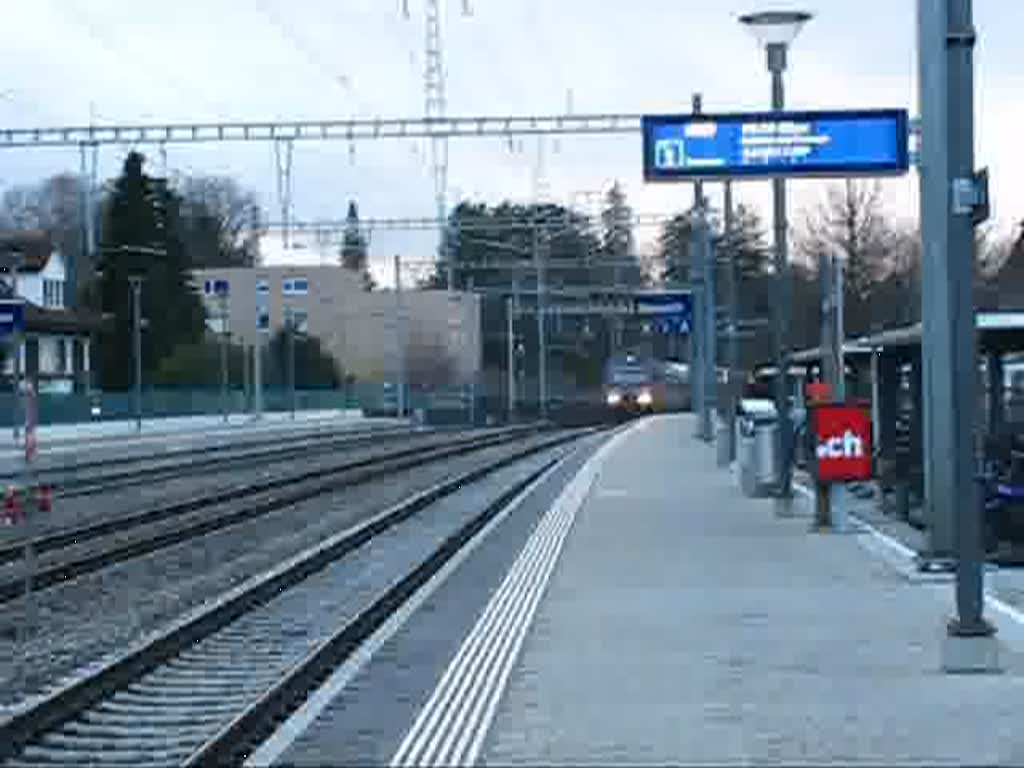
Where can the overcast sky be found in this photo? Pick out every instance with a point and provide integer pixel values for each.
(65, 61)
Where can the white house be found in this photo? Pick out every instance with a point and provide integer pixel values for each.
(56, 348)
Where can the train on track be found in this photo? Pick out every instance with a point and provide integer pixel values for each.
(635, 384)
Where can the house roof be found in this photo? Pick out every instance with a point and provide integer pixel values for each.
(77, 322)
(35, 248)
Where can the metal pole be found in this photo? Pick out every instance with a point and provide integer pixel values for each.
(934, 175)
(290, 325)
(27, 483)
(400, 385)
(838, 337)
(839, 326)
(136, 284)
(473, 347)
(542, 342)
(698, 340)
(711, 330)
(734, 316)
(224, 358)
(246, 377)
(827, 369)
(257, 373)
(960, 40)
(777, 65)
(16, 338)
(511, 334)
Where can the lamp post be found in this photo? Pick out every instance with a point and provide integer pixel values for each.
(136, 285)
(225, 337)
(289, 323)
(776, 30)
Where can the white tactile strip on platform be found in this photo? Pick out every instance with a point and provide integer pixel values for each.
(452, 726)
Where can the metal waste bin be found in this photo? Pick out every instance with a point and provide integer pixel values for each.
(746, 457)
(766, 439)
(755, 449)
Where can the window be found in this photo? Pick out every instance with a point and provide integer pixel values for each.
(53, 293)
(60, 361)
(208, 287)
(301, 321)
(263, 286)
(263, 319)
(295, 286)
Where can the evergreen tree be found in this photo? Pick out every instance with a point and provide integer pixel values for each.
(315, 368)
(617, 244)
(675, 245)
(354, 249)
(142, 238)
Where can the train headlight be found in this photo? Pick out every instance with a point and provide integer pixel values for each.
(644, 398)
(613, 398)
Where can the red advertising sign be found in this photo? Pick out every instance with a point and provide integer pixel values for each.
(843, 443)
(819, 391)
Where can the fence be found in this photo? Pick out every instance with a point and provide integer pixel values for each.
(164, 403)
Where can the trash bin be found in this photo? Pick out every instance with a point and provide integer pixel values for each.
(746, 457)
(766, 437)
(755, 451)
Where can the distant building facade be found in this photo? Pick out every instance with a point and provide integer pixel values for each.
(357, 327)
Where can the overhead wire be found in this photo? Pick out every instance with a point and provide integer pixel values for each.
(341, 80)
(188, 93)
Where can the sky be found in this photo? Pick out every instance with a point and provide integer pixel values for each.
(130, 61)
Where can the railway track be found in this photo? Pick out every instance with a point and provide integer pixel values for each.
(213, 685)
(88, 478)
(68, 554)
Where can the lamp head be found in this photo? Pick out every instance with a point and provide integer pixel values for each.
(775, 28)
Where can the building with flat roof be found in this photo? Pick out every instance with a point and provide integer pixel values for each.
(358, 328)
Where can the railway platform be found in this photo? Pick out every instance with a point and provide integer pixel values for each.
(687, 624)
(655, 615)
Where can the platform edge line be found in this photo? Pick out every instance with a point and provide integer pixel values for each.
(271, 750)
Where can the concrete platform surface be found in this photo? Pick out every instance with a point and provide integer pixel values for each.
(685, 624)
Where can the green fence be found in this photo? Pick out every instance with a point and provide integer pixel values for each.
(164, 403)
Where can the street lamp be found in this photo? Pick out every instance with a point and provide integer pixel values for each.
(135, 281)
(776, 30)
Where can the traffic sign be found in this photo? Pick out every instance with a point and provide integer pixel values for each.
(836, 143)
(12, 316)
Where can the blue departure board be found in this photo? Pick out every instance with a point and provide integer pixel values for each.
(770, 144)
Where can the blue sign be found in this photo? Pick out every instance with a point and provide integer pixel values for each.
(770, 144)
(220, 287)
(12, 316)
(669, 312)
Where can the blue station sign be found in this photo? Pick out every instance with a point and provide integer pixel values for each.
(12, 316)
(842, 143)
(668, 312)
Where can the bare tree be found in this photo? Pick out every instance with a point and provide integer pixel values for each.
(53, 206)
(852, 226)
(1006, 262)
(221, 222)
